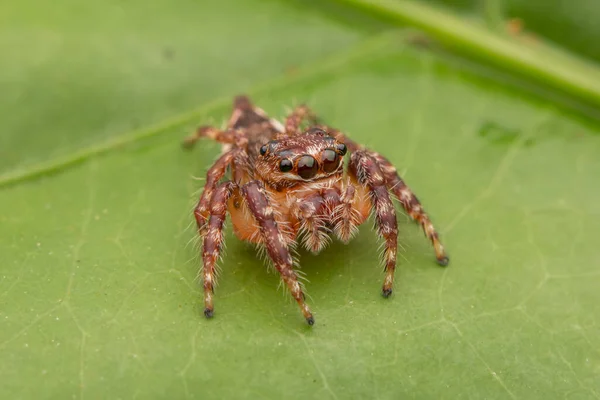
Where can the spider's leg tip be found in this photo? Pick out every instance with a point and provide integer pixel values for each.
(386, 292)
(209, 312)
(444, 261)
(310, 320)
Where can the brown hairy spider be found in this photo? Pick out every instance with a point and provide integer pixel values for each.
(288, 183)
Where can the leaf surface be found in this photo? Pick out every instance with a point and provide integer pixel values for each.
(75, 75)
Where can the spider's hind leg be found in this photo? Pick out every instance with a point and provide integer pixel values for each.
(298, 115)
(228, 136)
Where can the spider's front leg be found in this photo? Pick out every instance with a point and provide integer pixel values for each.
(274, 242)
(213, 176)
(401, 191)
(366, 170)
(213, 241)
(411, 205)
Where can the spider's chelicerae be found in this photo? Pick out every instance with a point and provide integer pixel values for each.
(289, 183)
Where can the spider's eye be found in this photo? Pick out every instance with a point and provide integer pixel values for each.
(329, 159)
(307, 167)
(316, 131)
(263, 150)
(341, 148)
(285, 165)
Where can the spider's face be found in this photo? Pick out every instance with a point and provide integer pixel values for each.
(308, 157)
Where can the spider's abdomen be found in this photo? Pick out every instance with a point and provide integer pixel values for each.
(244, 226)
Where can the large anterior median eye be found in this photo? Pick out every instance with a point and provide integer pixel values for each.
(307, 167)
(329, 159)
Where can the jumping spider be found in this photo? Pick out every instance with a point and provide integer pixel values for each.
(287, 183)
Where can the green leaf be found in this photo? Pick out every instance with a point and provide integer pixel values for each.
(98, 289)
(117, 66)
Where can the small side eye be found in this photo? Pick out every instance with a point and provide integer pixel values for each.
(263, 150)
(341, 148)
(285, 165)
(316, 131)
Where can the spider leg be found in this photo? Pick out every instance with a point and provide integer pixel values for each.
(213, 241)
(296, 117)
(405, 196)
(365, 168)
(213, 176)
(344, 217)
(411, 205)
(274, 242)
(309, 211)
(228, 136)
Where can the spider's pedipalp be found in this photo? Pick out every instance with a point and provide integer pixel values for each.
(344, 217)
(309, 210)
(275, 242)
(369, 174)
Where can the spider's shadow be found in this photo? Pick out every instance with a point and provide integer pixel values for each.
(331, 259)
(323, 271)
(359, 259)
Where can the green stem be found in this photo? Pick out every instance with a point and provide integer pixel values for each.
(492, 11)
(537, 60)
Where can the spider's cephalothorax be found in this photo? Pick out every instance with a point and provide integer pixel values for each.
(289, 184)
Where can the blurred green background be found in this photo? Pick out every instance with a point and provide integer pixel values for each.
(489, 109)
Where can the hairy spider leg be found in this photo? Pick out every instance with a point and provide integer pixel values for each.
(298, 115)
(213, 176)
(244, 115)
(213, 241)
(228, 136)
(401, 191)
(309, 211)
(274, 241)
(411, 205)
(341, 207)
(365, 168)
